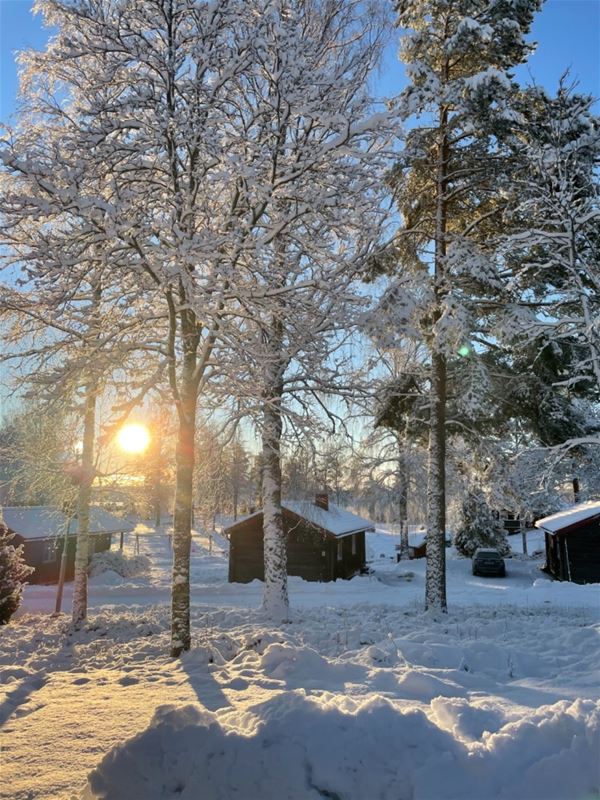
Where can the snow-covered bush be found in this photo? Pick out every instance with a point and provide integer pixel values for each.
(117, 561)
(13, 574)
(479, 527)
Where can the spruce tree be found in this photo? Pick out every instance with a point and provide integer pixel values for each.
(479, 526)
(554, 246)
(448, 184)
(13, 574)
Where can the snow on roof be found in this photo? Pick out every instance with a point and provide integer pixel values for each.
(334, 520)
(42, 522)
(569, 517)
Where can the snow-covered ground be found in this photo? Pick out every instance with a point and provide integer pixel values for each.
(361, 696)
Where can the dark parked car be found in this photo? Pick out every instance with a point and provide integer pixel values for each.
(488, 561)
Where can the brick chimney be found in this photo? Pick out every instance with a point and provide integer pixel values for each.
(322, 500)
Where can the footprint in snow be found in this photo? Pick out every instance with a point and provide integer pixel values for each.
(128, 680)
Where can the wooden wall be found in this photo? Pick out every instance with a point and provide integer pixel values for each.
(312, 553)
(47, 571)
(575, 555)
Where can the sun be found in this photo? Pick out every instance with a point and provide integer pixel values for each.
(133, 438)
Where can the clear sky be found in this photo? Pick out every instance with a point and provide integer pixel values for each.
(568, 33)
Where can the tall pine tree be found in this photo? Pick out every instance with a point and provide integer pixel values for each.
(448, 184)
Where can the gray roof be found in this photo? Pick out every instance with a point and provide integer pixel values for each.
(334, 520)
(43, 522)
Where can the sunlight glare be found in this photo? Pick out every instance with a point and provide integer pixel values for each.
(133, 438)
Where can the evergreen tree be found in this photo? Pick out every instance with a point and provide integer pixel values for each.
(479, 526)
(448, 186)
(555, 250)
(13, 574)
(210, 475)
(238, 468)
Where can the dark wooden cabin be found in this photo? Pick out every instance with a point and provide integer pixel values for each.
(324, 542)
(41, 531)
(573, 543)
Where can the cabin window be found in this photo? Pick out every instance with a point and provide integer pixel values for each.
(340, 550)
(49, 551)
(354, 545)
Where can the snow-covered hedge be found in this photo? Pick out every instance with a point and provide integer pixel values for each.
(117, 561)
(13, 574)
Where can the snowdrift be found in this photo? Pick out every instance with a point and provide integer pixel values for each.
(352, 749)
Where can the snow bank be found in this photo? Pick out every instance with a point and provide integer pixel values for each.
(361, 695)
(337, 747)
(115, 561)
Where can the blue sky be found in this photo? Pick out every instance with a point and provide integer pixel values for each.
(568, 32)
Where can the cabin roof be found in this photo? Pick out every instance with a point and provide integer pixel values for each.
(44, 522)
(335, 520)
(572, 517)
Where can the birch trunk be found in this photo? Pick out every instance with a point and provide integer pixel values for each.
(275, 600)
(85, 478)
(185, 390)
(403, 499)
(182, 520)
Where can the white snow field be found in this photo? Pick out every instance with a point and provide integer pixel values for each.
(361, 696)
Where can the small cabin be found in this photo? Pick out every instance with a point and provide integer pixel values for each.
(42, 530)
(573, 543)
(324, 542)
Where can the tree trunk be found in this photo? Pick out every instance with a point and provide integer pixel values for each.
(435, 580)
(576, 489)
(182, 521)
(403, 501)
(63, 567)
(435, 583)
(157, 509)
(235, 502)
(275, 600)
(85, 478)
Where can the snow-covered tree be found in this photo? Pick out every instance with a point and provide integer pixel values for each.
(237, 462)
(235, 143)
(299, 472)
(479, 526)
(152, 170)
(448, 184)
(313, 161)
(158, 462)
(36, 444)
(69, 329)
(13, 574)
(210, 477)
(555, 250)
